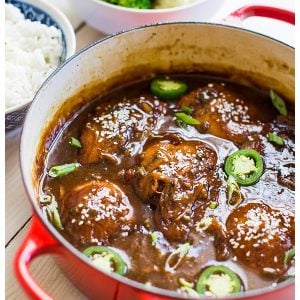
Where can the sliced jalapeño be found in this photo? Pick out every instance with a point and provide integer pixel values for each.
(218, 281)
(245, 166)
(166, 88)
(106, 259)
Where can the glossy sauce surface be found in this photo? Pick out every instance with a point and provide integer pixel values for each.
(141, 173)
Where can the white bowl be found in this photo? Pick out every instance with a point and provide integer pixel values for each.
(110, 18)
(48, 14)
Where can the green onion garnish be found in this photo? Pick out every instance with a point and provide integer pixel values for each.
(234, 194)
(177, 255)
(186, 119)
(272, 137)
(203, 224)
(289, 255)
(187, 287)
(75, 143)
(188, 110)
(278, 103)
(56, 219)
(154, 238)
(59, 171)
(185, 283)
(45, 199)
(52, 211)
(213, 205)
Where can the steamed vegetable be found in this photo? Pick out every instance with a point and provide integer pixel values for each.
(171, 3)
(148, 4)
(144, 4)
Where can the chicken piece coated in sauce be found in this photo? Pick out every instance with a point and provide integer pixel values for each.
(118, 129)
(95, 211)
(217, 229)
(224, 113)
(260, 236)
(177, 177)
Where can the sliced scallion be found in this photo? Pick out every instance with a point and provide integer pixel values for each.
(213, 205)
(187, 288)
(45, 199)
(278, 103)
(175, 258)
(185, 283)
(62, 170)
(188, 110)
(154, 237)
(56, 219)
(75, 143)
(234, 194)
(186, 119)
(51, 209)
(289, 255)
(204, 224)
(272, 137)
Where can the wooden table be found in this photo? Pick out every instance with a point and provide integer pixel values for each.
(17, 208)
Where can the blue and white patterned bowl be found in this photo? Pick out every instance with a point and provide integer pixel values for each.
(39, 10)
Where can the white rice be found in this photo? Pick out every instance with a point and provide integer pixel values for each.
(171, 3)
(32, 52)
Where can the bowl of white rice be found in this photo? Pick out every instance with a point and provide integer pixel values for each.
(38, 38)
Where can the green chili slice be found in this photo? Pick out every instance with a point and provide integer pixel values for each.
(272, 137)
(62, 170)
(218, 281)
(245, 166)
(278, 103)
(106, 259)
(75, 143)
(167, 89)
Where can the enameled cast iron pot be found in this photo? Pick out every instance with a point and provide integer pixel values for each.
(244, 56)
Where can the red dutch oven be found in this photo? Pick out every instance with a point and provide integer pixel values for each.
(244, 56)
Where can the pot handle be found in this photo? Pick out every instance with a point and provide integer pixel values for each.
(262, 11)
(37, 242)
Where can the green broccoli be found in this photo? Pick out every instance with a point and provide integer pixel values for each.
(133, 3)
